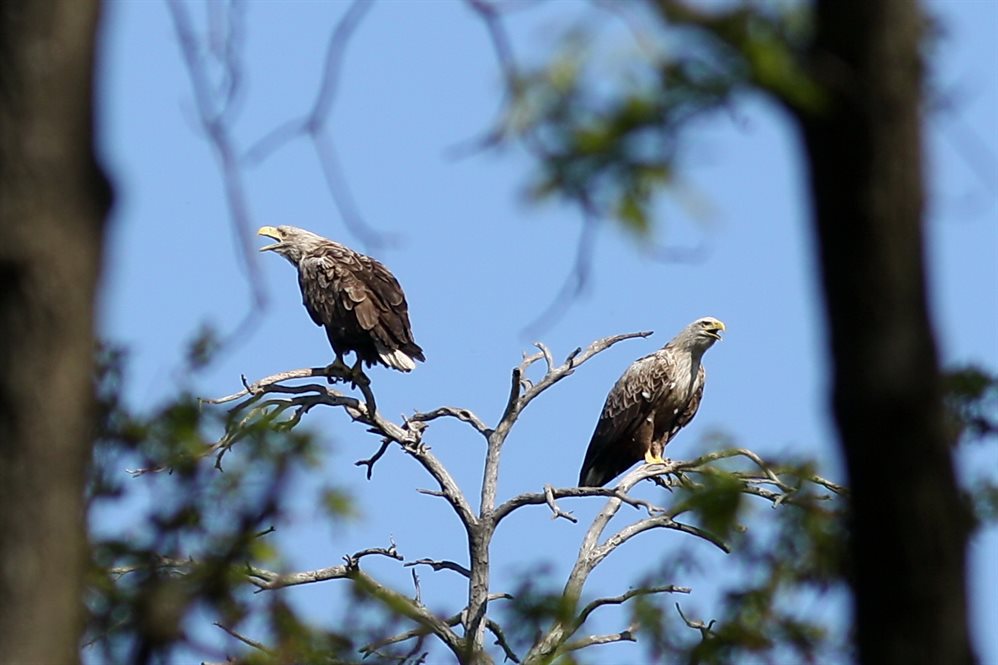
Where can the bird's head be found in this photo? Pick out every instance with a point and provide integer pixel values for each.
(292, 242)
(700, 335)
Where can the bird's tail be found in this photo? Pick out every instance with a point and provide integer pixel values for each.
(397, 359)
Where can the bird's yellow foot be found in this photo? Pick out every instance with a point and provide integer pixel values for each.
(654, 459)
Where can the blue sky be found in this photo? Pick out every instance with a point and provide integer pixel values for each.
(478, 263)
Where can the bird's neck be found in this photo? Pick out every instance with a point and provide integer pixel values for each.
(687, 365)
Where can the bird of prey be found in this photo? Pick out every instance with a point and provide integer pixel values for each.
(655, 398)
(354, 297)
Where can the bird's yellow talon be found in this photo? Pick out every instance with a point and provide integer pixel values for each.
(653, 459)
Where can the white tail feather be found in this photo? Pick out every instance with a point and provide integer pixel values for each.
(398, 360)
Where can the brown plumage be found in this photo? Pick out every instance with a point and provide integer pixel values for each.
(352, 296)
(656, 397)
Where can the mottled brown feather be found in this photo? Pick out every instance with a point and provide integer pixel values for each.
(358, 301)
(656, 396)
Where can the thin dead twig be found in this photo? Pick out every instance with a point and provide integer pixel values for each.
(245, 640)
(437, 566)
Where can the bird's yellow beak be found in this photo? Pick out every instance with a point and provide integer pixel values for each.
(716, 330)
(269, 232)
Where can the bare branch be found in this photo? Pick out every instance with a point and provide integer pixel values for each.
(538, 498)
(574, 360)
(437, 566)
(624, 597)
(422, 631)
(520, 395)
(373, 647)
(409, 435)
(245, 640)
(372, 460)
(502, 45)
(464, 415)
(267, 580)
(659, 522)
(517, 402)
(548, 359)
(408, 608)
(418, 596)
(214, 123)
(500, 636)
(704, 628)
(593, 640)
(258, 387)
(556, 512)
(314, 127)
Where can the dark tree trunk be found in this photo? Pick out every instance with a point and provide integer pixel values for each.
(909, 525)
(53, 199)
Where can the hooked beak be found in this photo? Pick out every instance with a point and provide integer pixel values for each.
(270, 232)
(716, 331)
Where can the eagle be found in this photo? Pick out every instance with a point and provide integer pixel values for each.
(354, 297)
(656, 397)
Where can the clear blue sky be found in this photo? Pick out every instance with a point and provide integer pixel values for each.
(478, 263)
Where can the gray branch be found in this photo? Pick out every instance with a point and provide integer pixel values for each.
(522, 392)
(624, 597)
(408, 435)
(437, 566)
(593, 640)
(259, 646)
(267, 580)
(464, 415)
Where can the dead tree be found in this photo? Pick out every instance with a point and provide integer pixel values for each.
(464, 633)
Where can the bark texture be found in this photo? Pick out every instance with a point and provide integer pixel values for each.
(53, 200)
(909, 524)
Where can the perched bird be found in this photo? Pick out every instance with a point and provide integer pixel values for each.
(654, 399)
(354, 297)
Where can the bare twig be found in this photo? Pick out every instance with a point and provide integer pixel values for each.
(410, 438)
(267, 580)
(418, 596)
(314, 127)
(464, 415)
(556, 512)
(245, 640)
(372, 460)
(624, 597)
(437, 566)
(593, 640)
(704, 628)
(422, 631)
(406, 607)
(502, 46)
(500, 636)
(215, 125)
(550, 494)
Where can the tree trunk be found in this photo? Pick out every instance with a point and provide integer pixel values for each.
(53, 199)
(909, 527)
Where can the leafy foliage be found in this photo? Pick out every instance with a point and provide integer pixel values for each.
(194, 532)
(609, 138)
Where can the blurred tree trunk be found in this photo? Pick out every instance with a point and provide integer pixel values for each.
(53, 199)
(909, 524)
